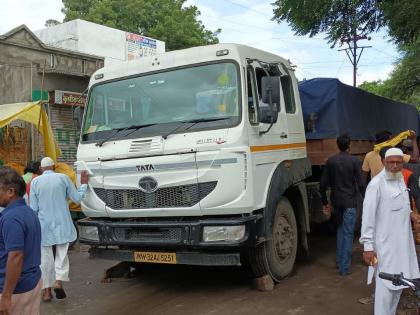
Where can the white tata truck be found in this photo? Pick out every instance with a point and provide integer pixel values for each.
(196, 156)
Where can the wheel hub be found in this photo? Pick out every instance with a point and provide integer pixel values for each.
(284, 239)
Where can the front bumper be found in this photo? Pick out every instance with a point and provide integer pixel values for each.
(174, 234)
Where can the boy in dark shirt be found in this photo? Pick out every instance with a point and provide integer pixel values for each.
(343, 174)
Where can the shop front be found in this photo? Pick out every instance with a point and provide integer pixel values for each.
(66, 133)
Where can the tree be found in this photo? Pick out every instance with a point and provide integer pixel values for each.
(343, 19)
(339, 19)
(404, 82)
(51, 22)
(167, 20)
(378, 87)
(403, 20)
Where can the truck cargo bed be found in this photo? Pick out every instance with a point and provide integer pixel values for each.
(321, 149)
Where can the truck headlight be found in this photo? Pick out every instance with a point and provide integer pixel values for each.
(223, 233)
(90, 233)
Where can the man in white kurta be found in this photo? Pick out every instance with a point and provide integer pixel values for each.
(48, 198)
(386, 231)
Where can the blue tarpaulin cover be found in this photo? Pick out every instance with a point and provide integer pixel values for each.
(331, 108)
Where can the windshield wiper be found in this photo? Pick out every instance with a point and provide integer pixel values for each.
(118, 130)
(193, 122)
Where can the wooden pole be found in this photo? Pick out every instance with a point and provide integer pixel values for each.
(42, 91)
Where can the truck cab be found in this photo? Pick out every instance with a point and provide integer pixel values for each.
(196, 156)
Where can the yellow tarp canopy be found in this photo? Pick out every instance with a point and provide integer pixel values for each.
(32, 112)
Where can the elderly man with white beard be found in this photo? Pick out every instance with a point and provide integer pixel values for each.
(386, 231)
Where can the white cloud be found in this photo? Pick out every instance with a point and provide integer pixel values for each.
(374, 75)
(32, 13)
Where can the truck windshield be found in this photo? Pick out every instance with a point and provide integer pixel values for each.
(208, 94)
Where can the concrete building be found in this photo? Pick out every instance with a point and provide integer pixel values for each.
(113, 44)
(28, 66)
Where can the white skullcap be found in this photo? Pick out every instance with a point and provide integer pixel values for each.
(47, 162)
(394, 152)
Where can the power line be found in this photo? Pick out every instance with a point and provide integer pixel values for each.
(234, 29)
(352, 51)
(248, 8)
(341, 65)
(361, 65)
(306, 72)
(384, 53)
(238, 23)
(326, 61)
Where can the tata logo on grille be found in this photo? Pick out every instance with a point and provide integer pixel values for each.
(148, 184)
(147, 167)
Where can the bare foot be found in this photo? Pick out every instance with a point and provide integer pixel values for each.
(47, 295)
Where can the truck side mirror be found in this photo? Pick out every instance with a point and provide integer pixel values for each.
(268, 116)
(78, 116)
(271, 83)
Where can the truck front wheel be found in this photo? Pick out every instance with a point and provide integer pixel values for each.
(276, 256)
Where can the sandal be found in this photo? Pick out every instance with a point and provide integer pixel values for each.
(60, 293)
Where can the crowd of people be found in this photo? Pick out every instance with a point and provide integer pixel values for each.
(36, 227)
(388, 181)
(35, 231)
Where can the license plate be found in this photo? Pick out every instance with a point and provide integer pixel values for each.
(155, 257)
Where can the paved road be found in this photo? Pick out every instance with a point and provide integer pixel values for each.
(314, 288)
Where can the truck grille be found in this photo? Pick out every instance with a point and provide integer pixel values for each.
(149, 235)
(146, 146)
(169, 197)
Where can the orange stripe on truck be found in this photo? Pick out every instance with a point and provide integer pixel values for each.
(272, 147)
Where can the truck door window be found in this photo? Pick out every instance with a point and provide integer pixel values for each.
(288, 93)
(252, 97)
(260, 73)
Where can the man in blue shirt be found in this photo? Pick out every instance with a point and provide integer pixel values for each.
(48, 198)
(20, 248)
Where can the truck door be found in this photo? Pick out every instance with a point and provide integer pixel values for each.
(277, 138)
(293, 112)
(270, 148)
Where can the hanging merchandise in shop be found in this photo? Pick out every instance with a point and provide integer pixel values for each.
(31, 112)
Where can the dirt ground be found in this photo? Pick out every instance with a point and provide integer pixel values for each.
(314, 288)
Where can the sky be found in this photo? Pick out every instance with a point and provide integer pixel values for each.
(246, 22)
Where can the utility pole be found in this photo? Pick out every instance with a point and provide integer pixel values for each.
(352, 49)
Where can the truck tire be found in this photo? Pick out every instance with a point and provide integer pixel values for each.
(276, 256)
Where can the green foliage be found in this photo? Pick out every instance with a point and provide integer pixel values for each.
(405, 79)
(339, 19)
(51, 22)
(166, 20)
(404, 82)
(403, 20)
(376, 87)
